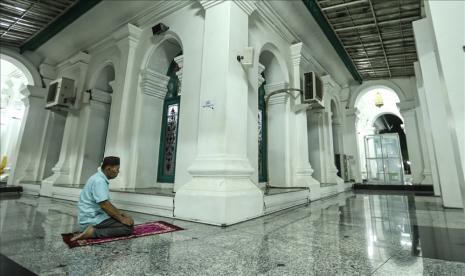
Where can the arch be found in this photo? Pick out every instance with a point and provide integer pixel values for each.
(23, 64)
(332, 100)
(373, 120)
(160, 54)
(335, 108)
(106, 75)
(15, 77)
(271, 151)
(96, 76)
(370, 85)
(390, 100)
(275, 61)
(162, 111)
(367, 113)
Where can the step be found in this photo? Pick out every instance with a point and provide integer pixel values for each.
(285, 199)
(30, 187)
(11, 189)
(328, 189)
(137, 202)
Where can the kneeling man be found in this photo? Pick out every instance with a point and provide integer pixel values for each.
(97, 217)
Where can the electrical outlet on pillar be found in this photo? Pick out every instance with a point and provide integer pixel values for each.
(246, 57)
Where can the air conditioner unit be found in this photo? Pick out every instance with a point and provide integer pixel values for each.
(313, 90)
(61, 94)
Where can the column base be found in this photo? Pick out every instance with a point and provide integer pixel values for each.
(334, 178)
(303, 178)
(218, 200)
(427, 179)
(46, 187)
(59, 176)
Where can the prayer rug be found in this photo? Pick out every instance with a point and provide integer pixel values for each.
(140, 230)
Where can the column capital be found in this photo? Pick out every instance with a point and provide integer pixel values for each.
(180, 61)
(317, 112)
(206, 4)
(247, 6)
(298, 54)
(33, 91)
(261, 79)
(47, 71)
(406, 106)
(100, 96)
(278, 98)
(154, 84)
(127, 36)
(330, 82)
(275, 86)
(336, 122)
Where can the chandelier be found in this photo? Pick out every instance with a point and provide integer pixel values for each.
(378, 100)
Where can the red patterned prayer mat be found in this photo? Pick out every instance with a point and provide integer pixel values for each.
(140, 230)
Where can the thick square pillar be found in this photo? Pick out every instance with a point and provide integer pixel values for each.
(221, 191)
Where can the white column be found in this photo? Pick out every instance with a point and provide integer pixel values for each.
(153, 87)
(303, 170)
(407, 110)
(331, 88)
(95, 116)
(447, 166)
(278, 133)
(261, 79)
(52, 135)
(26, 159)
(338, 130)
(316, 143)
(121, 123)
(179, 61)
(64, 171)
(351, 146)
(221, 191)
(331, 176)
(430, 172)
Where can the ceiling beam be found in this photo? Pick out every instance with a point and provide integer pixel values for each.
(343, 5)
(381, 23)
(314, 9)
(380, 37)
(59, 24)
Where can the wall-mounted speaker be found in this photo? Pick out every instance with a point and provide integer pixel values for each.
(159, 29)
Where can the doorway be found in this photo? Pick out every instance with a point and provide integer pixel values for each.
(384, 159)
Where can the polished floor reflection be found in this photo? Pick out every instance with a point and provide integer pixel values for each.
(351, 234)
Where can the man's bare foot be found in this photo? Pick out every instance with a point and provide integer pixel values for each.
(86, 234)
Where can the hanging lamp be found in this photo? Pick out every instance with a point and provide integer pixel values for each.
(378, 100)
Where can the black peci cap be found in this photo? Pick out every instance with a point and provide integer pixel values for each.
(110, 161)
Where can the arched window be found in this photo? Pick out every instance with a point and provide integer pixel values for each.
(262, 135)
(169, 128)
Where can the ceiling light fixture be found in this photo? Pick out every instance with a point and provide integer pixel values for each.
(378, 100)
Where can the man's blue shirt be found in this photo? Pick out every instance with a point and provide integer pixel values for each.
(95, 191)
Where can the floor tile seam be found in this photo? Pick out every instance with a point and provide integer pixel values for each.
(294, 241)
(259, 235)
(187, 234)
(374, 271)
(210, 244)
(64, 225)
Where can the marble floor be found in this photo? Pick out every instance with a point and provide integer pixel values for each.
(350, 234)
